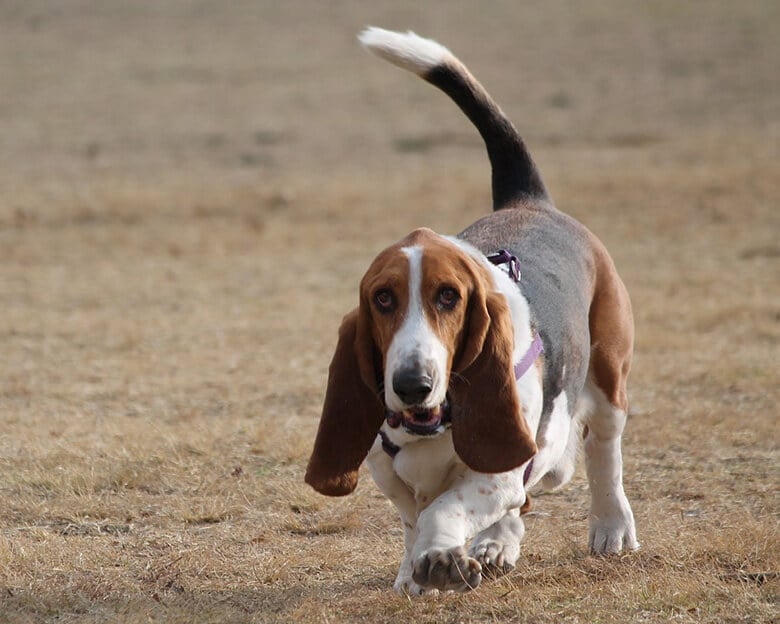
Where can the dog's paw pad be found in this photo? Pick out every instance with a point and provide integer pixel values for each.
(447, 570)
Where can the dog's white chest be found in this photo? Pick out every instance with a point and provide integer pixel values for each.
(428, 467)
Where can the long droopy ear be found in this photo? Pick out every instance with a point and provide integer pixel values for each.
(489, 431)
(351, 415)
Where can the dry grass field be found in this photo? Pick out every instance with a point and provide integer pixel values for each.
(189, 194)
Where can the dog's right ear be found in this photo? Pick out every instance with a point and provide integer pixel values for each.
(352, 413)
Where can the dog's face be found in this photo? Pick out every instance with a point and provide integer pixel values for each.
(417, 295)
(429, 339)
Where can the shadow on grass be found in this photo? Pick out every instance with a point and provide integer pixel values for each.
(301, 601)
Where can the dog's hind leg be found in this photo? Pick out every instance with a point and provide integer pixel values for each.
(381, 466)
(611, 519)
(611, 326)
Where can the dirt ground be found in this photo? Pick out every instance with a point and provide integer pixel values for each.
(189, 194)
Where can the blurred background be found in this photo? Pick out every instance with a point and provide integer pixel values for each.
(190, 192)
(258, 88)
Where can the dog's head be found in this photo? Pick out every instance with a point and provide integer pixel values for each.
(430, 340)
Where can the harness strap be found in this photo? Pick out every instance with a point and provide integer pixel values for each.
(502, 256)
(534, 351)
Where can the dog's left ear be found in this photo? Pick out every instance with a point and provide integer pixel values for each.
(352, 413)
(489, 431)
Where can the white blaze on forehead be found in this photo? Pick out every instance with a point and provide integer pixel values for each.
(414, 255)
(416, 344)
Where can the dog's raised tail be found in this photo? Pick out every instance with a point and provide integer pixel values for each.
(514, 173)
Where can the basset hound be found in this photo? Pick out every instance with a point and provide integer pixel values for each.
(474, 365)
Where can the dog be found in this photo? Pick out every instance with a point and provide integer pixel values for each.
(475, 365)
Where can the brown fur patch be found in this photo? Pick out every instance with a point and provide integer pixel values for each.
(611, 329)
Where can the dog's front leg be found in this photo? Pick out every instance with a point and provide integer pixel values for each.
(381, 467)
(475, 502)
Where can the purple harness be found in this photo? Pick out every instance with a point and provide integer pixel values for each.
(502, 256)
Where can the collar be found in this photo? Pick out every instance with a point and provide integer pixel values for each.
(388, 447)
(502, 256)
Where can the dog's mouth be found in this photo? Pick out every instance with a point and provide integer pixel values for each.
(421, 421)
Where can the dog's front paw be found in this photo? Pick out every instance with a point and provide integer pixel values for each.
(497, 548)
(446, 570)
(496, 558)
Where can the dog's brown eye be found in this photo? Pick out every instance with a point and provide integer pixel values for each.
(384, 300)
(448, 298)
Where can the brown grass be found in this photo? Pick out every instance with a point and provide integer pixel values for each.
(189, 194)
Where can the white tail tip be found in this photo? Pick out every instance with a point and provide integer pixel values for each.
(406, 50)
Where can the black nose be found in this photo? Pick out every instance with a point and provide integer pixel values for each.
(412, 386)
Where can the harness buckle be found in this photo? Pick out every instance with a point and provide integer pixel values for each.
(502, 256)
